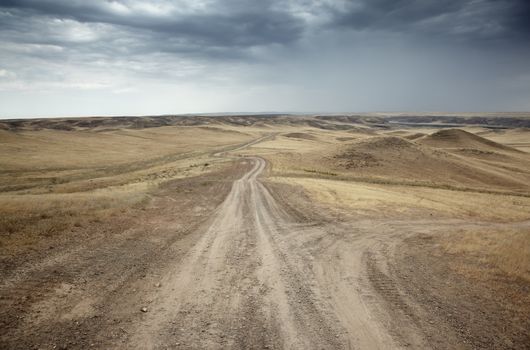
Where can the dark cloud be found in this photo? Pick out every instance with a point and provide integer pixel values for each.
(229, 28)
(394, 14)
(461, 19)
(519, 19)
(251, 26)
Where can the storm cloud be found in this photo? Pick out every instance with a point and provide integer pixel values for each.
(147, 57)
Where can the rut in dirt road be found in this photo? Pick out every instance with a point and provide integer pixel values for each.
(237, 287)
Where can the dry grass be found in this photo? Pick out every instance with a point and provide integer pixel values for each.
(506, 250)
(84, 160)
(54, 181)
(396, 161)
(387, 200)
(25, 219)
(392, 160)
(56, 149)
(288, 155)
(51, 180)
(516, 138)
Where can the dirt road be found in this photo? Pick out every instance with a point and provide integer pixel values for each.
(239, 286)
(238, 280)
(216, 265)
(248, 284)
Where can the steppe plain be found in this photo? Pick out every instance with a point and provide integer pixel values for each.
(371, 231)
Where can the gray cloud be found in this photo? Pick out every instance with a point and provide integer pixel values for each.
(394, 14)
(228, 28)
(462, 20)
(213, 27)
(311, 52)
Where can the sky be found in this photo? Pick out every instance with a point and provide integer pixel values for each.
(131, 57)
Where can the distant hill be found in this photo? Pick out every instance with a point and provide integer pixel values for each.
(456, 138)
(353, 122)
(398, 158)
